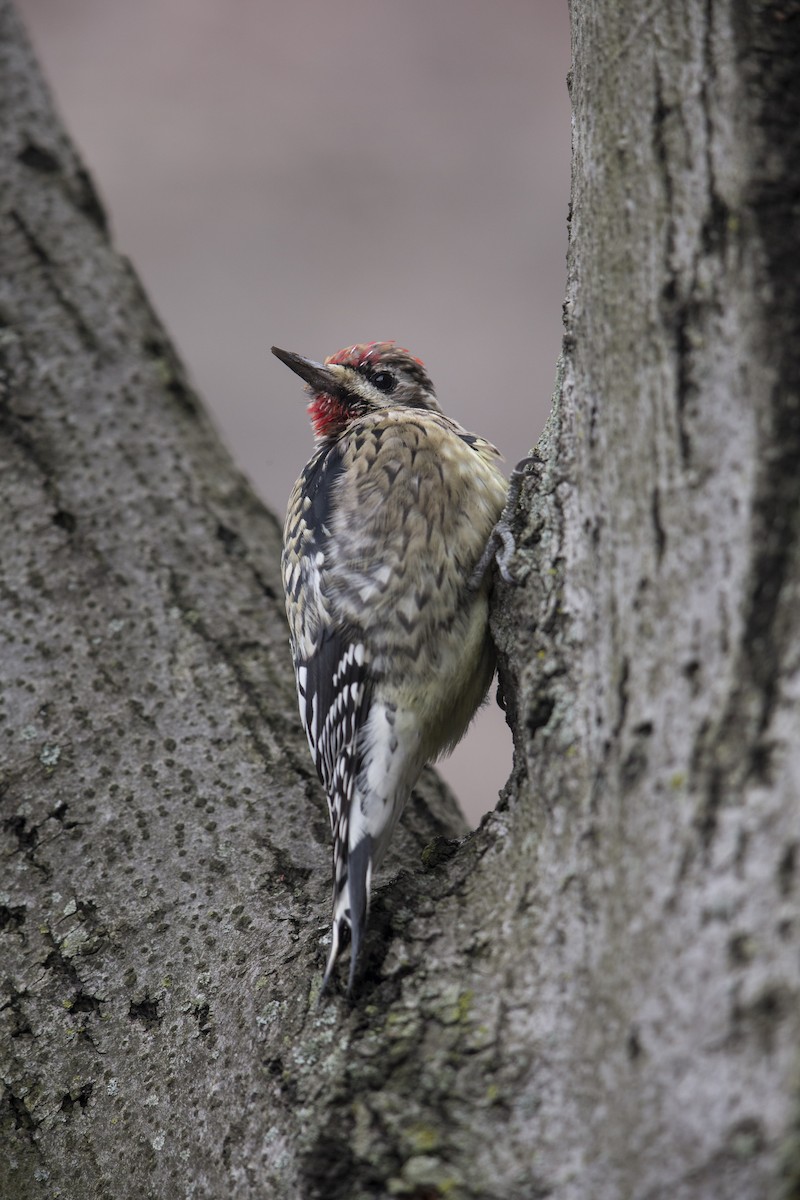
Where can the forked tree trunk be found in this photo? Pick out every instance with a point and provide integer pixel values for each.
(596, 995)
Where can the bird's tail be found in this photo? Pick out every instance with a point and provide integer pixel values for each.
(350, 908)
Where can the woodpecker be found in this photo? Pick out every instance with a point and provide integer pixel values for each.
(389, 534)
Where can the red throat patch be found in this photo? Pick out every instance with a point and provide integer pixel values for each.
(329, 416)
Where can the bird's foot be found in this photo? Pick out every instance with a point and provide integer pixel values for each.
(501, 546)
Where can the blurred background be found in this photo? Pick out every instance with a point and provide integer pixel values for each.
(316, 174)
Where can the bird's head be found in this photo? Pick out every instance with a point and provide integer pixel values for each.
(353, 382)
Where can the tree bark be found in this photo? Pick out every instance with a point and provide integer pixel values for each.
(596, 994)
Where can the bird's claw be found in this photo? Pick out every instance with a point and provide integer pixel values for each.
(501, 546)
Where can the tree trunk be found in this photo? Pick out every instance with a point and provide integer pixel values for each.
(595, 995)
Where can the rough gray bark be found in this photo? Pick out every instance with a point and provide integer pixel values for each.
(597, 993)
(655, 797)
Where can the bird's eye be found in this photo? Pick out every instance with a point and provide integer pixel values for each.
(384, 381)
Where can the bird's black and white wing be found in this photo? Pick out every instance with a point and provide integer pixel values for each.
(332, 668)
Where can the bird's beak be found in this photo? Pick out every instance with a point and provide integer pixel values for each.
(318, 377)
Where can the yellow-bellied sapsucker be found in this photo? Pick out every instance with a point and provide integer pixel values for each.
(389, 533)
